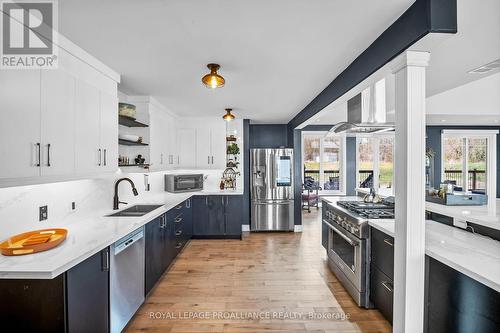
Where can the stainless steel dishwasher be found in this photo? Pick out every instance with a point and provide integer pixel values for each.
(126, 279)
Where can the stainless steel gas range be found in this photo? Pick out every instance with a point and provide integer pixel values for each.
(348, 246)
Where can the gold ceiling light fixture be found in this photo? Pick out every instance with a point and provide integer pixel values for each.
(213, 79)
(228, 116)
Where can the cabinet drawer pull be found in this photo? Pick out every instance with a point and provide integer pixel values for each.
(179, 207)
(105, 260)
(388, 242)
(178, 233)
(387, 285)
(38, 154)
(178, 246)
(48, 154)
(178, 220)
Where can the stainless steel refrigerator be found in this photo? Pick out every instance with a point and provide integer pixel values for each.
(271, 172)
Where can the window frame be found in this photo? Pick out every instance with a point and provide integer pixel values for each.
(342, 165)
(376, 159)
(491, 158)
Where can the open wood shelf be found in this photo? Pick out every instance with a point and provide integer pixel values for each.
(130, 122)
(131, 143)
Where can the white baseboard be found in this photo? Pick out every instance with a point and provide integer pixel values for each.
(245, 227)
(297, 228)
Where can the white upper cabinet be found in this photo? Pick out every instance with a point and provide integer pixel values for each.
(20, 125)
(57, 119)
(108, 131)
(210, 146)
(186, 148)
(59, 124)
(87, 129)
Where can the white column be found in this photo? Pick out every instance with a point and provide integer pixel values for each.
(409, 186)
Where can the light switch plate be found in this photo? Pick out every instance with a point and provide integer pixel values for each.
(44, 213)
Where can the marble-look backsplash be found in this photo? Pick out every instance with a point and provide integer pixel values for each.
(19, 206)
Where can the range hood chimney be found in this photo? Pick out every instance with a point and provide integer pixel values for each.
(366, 112)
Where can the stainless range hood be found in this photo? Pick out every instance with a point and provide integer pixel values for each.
(363, 116)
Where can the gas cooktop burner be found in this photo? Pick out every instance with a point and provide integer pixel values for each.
(369, 210)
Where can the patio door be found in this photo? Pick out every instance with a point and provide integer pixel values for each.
(323, 159)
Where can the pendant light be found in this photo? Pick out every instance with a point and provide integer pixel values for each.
(228, 116)
(213, 80)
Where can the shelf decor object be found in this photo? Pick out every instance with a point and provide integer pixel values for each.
(228, 116)
(127, 110)
(33, 242)
(213, 80)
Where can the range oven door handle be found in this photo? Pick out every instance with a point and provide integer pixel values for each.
(347, 239)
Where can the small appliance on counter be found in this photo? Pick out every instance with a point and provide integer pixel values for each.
(184, 183)
(458, 199)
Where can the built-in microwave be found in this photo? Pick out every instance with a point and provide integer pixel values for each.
(183, 183)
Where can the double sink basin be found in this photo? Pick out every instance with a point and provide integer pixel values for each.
(135, 211)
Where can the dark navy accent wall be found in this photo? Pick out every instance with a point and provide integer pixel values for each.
(268, 136)
(246, 172)
(350, 165)
(434, 141)
(297, 177)
(422, 18)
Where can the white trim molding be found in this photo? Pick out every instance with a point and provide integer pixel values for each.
(297, 228)
(409, 189)
(245, 227)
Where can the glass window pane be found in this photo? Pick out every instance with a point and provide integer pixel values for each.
(331, 163)
(476, 162)
(386, 162)
(453, 160)
(311, 156)
(365, 162)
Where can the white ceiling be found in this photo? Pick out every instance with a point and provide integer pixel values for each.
(276, 55)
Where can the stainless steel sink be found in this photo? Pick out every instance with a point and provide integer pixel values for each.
(137, 210)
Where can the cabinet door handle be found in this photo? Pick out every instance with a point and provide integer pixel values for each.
(38, 154)
(208, 159)
(99, 151)
(104, 152)
(188, 203)
(227, 200)
(178, 246)
(388, 242)
(48, 154)
(212, 160)
(222, 199)
(387, 285)
(178, 220)
(206, 201)
(161, 158)
(105, 260)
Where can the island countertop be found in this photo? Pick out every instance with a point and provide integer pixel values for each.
(474, 255)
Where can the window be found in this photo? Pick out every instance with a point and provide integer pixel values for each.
(469, 160)
(323, 159)
(375, 162)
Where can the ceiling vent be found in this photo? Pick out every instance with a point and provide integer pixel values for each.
(486, 68)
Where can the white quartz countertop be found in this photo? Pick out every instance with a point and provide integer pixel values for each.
(90, 232)
(474, 255)
(488, 216)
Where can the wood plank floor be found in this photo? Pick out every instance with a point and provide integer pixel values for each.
(268, 282)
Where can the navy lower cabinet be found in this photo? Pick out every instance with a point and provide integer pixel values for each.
(233, 213)
(155, 263)
(75, 301)
(457, 303)
(217, 216)
(382, 272)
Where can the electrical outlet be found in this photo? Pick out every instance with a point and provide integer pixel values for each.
(44, 213)
(73, 205)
